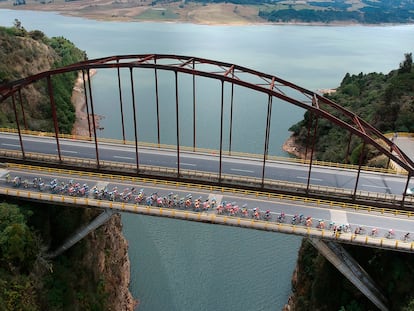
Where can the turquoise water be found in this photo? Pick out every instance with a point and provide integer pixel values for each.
(194, 266)
(178, 265)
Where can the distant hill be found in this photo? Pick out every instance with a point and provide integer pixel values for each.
(360, 11)
(231, 11)
(329, 11)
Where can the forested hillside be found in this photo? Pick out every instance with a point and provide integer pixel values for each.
(24, 53)
(384, 100)
(88, 276)
(28, 282)
(387, 102)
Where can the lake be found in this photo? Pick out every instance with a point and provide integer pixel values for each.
(178, 265)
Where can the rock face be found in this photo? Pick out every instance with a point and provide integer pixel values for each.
(108, 259)
(290, 303)
(83, 127)
(292, 147)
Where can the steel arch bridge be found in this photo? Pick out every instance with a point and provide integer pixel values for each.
(272, 87)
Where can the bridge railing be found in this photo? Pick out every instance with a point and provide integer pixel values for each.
(213, 218)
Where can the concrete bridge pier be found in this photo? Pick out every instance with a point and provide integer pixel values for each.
(347, 265)
(82, 232)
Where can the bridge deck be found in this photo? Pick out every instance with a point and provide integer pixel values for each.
(317, 209)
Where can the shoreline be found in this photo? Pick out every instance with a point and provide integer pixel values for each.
(293, 148)
(74, 10)
(81, 125)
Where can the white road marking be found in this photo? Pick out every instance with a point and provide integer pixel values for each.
(372, 186)
(339, 217)
(316, 179)
(10, 145)
(188, 164)
(67, 151)
(127, 158)
(240, 170)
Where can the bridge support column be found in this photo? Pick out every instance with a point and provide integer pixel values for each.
(82, 232)
(343, 261)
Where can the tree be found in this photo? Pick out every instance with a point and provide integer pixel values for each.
(9, 214)
(18, 247)
(406, 65)
(20, 31)
(17, 24)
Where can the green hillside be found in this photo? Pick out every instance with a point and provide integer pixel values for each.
(28, 280)
(24, 53)
(387, 102)
(384, 100)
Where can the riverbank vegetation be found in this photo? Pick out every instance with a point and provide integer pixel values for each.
(24, 53)
(383, 100)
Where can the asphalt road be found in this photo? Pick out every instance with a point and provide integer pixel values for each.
(209, 162)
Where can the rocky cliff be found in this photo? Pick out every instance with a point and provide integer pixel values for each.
(107, 259)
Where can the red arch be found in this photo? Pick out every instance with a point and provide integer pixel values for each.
(242, 76)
